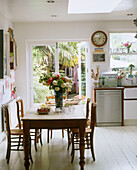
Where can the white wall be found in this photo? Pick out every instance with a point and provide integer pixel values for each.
(4, 25)
(25, 32)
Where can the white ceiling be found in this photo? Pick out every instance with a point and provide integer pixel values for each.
(41, 11)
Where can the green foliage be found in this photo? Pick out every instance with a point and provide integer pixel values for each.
(68, 52)
(39, 91)
(131, 66)
(44, 61)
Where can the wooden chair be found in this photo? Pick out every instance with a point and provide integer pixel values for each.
(36, 135)
(48, 130)
(14, 136)
(89, 134)
(87, 117)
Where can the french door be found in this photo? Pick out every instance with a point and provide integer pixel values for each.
(56, 56)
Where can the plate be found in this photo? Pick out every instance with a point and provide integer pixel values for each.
(50, 103)
(75, 102)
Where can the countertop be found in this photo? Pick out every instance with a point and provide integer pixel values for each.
(108, 88)
(114, 88)
(134, 86)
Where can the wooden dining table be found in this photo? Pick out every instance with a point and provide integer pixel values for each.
(73, 117)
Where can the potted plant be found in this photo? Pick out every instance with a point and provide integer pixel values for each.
(131, 66)
(127, 45)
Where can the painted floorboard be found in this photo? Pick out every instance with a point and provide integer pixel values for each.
(115, 149)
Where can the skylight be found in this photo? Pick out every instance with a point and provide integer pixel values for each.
(92, 6)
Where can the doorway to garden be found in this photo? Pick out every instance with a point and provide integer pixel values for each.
(69, 57)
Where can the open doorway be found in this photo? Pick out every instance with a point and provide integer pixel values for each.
(67, 56)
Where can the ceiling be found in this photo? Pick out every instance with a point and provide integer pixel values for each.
(41, 11)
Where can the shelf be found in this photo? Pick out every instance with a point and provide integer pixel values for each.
(134, 53)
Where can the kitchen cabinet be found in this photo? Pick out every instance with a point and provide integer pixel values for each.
(130, 103)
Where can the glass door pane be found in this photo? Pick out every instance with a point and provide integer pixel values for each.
(83, 69)
(68, 53)
(43, 62)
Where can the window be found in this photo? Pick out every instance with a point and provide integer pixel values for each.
(67, 56)
(120, 56)
(43, 59)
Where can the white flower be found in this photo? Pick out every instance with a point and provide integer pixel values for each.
(63, 85)
(67, 84)
(55, 82)
(69, 89)
(57, 88)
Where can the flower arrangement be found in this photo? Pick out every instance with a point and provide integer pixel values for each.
(121, 74)
(58, 82)
(127, 45)
(95, 76)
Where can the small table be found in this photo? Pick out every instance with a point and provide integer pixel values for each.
(76, 119)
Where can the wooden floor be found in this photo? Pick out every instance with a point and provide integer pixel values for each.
(115, 149)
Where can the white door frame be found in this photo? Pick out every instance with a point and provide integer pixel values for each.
(29, 67)
(30, 70)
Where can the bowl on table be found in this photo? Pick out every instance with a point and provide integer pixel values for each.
(43, 109)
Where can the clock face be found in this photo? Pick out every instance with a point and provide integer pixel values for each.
(99, 38)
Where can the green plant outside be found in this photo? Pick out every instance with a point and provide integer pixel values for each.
(44, 59)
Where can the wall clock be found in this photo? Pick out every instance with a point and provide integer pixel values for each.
(99, 38)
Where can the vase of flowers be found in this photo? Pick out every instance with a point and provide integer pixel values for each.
(58, 98)
(59, 83)
(127, 45)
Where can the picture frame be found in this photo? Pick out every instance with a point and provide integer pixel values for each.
(98, 58)
(4, 54)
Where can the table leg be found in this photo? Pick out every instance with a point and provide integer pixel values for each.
(82, 147)
(26, 142)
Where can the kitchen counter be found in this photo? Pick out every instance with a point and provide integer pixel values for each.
(108, 88)
(134, 86)
(114, 88)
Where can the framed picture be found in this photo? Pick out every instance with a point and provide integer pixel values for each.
(4, 54)
(99, 57)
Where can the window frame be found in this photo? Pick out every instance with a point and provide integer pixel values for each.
(111, 53)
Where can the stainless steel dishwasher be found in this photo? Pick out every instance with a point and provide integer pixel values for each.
(109, 107)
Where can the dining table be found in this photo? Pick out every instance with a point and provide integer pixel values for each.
(69, 117)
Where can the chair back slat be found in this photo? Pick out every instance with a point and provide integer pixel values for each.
(87, 108)
(18, 115)
(6, 118)
(93, 116)
(20, 111)
(21, 107)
